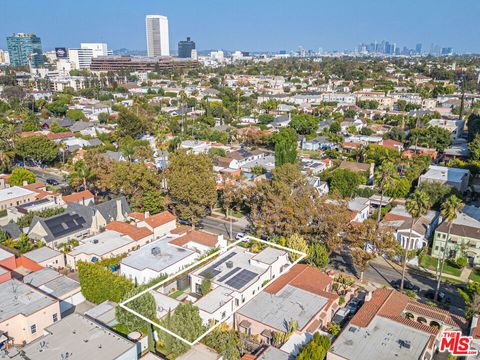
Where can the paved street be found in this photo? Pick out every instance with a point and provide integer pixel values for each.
(383, 272)
(44, 174)
(220, 226)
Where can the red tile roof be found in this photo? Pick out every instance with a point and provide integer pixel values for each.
(60, 135)
(135, 233)
(78, 196)
(160, 219)
(306, 278)
(394, 217)
(137, 215)
(182, 229)
(392, 304)
(199, 237)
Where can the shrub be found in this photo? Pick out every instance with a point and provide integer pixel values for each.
(462, 261)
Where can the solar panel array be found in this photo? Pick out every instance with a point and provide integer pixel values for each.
(65, 224)
(212, 270)
(230, 273)
(241, 279)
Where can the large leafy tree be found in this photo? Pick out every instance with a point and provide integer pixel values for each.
(285, 147)
(304, 124)
(191, 185)
(449, 212)
(282, 205)
(367, 241)
(19, 175)
(129, 124)
(345, 182)
(37, 148)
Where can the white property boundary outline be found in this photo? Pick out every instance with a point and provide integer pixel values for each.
(192, 343)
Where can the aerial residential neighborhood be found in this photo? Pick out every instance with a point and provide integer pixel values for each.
(239, 181)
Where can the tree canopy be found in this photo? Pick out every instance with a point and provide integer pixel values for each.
(191, 185)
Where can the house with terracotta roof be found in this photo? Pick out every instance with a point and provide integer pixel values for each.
(390, 325)
(199, 241)
(393, 145)
(140, 234)
(304, 295)
(160, 224)
(82, 197)
(365, 169)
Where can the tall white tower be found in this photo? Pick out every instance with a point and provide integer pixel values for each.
(157, 35)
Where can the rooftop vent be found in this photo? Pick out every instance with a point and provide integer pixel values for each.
(229, 264)
(95, 241)
(156, 251)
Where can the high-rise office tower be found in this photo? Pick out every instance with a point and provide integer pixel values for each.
(418, 49)
(185, 48)
(25, 49)
(157, 35)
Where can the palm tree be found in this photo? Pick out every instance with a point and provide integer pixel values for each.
(384, 178)
(449, 213)
(84, 172)
(417, 205)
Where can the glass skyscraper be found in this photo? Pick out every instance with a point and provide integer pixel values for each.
(25, 49)
(185, 48)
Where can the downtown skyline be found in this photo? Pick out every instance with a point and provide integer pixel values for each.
(249, 26)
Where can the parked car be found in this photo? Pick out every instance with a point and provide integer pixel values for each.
(354, 305)
(188, 222)
(239, 236)
(53, 182)
(407, 285)
(430, 294)
(342, 316)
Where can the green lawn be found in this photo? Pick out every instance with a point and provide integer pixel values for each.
(122, 329)
(430, 263)
(176, 294)
(475, 275)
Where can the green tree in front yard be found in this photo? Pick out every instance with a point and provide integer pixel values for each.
(19, 175)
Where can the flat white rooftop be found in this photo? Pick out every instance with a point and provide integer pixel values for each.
(101, 244)
(14, 192)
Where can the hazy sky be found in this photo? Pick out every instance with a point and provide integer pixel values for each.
(248, 24)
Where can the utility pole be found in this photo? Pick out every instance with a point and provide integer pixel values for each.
(462, 103)
(231, 225)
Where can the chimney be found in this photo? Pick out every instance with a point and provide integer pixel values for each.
(119, 209)
(368, 296)
(147, 214)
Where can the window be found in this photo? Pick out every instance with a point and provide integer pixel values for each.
(33, 328)
(55, 317)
